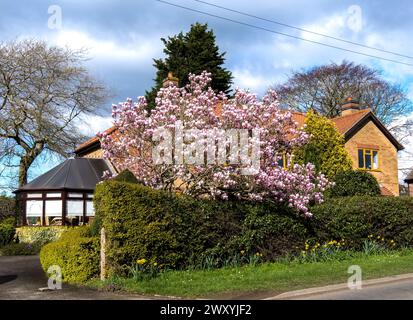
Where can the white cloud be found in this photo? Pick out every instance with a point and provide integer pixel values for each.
(92, 124)
(255, 82)
(138, 48)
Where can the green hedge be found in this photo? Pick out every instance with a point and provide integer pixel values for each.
(354, 183)
(40, 235)
(7, 230)
(76, 253)
(19, 249)
(178, 231)
(355, 218)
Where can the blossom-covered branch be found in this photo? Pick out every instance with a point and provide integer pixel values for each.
(197, 108)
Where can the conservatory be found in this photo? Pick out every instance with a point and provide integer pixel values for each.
(63, 195)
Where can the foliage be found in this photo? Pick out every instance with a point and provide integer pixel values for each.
(126, 176)
(19, 249)
(181, 232)
(142, 269)
(192, 52)
(75, 253)
(356, 218)
(194, 108)
(325, 148)
(354, 183)
(7, 207)
(39, 235)
(142, 223)
(268, 229)
(7, 230)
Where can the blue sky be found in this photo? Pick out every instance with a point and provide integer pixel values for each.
(124, 36)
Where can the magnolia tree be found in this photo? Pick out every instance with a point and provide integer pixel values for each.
(203, 144)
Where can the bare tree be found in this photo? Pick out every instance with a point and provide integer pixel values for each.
(324, 88)
(44, 92)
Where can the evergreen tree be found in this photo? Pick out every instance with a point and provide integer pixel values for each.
(192, 52)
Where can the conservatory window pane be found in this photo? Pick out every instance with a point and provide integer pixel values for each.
(54, 195)
(90, 210)
(53, 207)
(34, 208)
(75, 195)
(53, 213)
(34, 195)
(74, 208)
(90, 195)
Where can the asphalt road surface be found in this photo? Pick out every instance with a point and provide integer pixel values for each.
(399, 290)
(21, 277)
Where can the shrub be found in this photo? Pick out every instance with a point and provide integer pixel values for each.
(39, 235)
(19, 249)
(179, 231)
(357, 218)
(354, 183)
(7, 230)
(126, 176)
(76, 254)
(266, 229)
(325, 148)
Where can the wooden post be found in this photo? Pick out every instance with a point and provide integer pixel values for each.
(102, 254)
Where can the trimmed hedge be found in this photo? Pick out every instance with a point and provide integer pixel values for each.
(355, 218)
(178, 231)
(7, 230)
(354, 183)
(40, 235)
(126, 176)
(76, 253)
(19, 249)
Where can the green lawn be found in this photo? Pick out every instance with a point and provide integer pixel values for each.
(268, 278)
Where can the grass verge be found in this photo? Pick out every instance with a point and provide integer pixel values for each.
(274, 278)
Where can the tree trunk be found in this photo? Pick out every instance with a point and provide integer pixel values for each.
(26, 161)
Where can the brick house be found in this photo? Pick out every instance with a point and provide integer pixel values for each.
(370, 145)
(64, 194)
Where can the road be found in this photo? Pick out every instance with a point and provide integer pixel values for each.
(399, 290)
(22, 276)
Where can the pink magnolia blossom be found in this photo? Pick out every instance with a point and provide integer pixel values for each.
(195, 106)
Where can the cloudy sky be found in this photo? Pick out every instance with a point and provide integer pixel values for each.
(124, 36)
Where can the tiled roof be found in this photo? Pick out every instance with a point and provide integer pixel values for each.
(93, 140)
(345, 123)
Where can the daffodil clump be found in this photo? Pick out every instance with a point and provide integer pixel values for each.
(143, 269)
(377, 244)
(317, 251)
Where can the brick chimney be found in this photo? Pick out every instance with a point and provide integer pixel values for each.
(170, 80)
(349, 106)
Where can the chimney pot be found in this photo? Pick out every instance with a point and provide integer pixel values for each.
(170, 80)
(349, 106)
